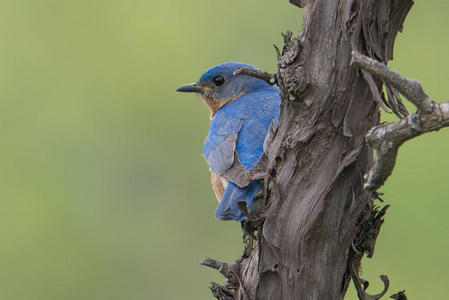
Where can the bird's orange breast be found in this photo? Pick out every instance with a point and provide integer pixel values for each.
(218, 184)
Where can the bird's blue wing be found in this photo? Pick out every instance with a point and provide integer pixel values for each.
(262, 109)
(240, 127)
(219, 146)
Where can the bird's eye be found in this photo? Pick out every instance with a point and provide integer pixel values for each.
(219, 80)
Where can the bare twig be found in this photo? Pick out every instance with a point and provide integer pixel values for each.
(212, 263)
(386, 139)
(411, 89)
(269, 78)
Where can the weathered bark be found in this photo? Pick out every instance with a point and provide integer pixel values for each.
(319, 152)
(319, 220)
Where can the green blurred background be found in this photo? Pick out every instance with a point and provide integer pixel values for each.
(104, 192)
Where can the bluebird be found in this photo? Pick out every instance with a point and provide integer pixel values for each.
(244, 113)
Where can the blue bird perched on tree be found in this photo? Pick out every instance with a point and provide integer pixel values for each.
(244, 114)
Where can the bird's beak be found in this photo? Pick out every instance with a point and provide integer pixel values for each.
(192, 88)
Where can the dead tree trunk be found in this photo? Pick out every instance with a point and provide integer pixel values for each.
(319, 220)
(309, 243)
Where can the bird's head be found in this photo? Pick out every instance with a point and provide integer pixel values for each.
(219, 86)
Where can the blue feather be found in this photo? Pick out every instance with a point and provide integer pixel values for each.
(227, 209)
(246, 117)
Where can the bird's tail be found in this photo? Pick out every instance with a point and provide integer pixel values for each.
(227, 209)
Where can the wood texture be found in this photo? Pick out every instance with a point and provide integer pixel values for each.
(319, 153)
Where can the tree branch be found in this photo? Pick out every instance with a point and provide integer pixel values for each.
(411, 89)
(387, 138)
(212, 263)
(267, 77)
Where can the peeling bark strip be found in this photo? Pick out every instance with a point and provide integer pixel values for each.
(318, 219)
(386, 139)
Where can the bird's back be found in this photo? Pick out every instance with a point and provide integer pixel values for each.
(235, 145)
(259, 109)
(241, 126)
